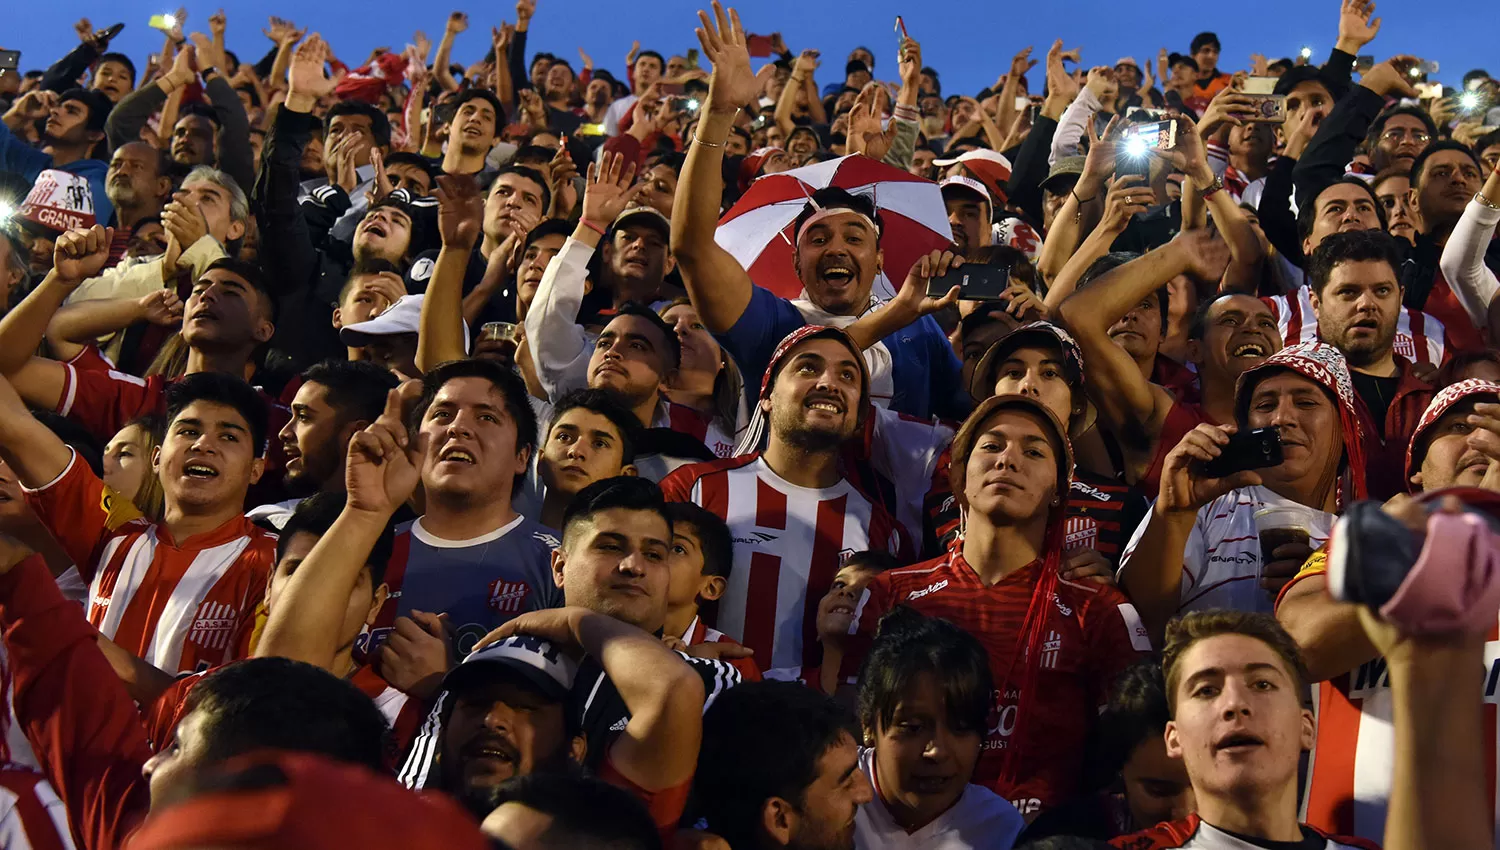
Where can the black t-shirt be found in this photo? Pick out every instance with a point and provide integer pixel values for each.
(602, 713)
(1377, 393)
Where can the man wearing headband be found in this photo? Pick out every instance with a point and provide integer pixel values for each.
(1456, 443)
(838, 255)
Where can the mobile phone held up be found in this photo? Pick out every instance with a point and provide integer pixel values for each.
(1256, 449)
(758, 45)
(975, 282)
(10, 60)
(1269, 108)
(1134, 156)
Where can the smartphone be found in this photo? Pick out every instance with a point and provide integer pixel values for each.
(1427, 66)
(1364, 63)
(1269, 108)
(669, 89)
(683, 104)
(692, 57)
(10, 60)
(1257, 449)
(975, 282)
(165, 23)
(1429, 90)
(759, 45)
(1022, 102)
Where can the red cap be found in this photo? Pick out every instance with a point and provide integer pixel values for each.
(298, 801)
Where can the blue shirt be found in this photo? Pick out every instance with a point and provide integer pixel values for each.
(20, 158)
(481, 583)
(924, 369)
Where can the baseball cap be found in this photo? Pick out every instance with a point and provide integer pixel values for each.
(750, 166)
(959, 185)
(300, 801)
(530, 658)
(990, 167)
(1126, 60)
(402, 317)
(58, 201)
(982, 384)
(1065, 166)
(649, 216)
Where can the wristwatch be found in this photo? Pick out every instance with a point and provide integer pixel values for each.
(1479, 198)
(1213, 187)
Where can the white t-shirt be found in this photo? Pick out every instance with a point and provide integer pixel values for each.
(1221, 563)
(980, 818)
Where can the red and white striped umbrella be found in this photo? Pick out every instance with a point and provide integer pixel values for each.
(757, 230)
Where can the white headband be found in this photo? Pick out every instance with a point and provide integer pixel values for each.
(828, 212)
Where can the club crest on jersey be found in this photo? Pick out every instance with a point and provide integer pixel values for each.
(1051, 650)
(213, 625)
(1081, 531)
(1405, 346)
(844, 557)
(508, 597)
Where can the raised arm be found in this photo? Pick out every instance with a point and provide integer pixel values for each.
(718, 285)
(460, 221)
(911, 303)
(457, 23)
(1190, 155)
(801, 80)
(1151, 571)
(1128, 197)
(382, 471)
(78, 255)
(235, 157)
(1084, 206)
(85, 321)
(1129, 404)
(1462, 262)
(29, 448)
(133, 111)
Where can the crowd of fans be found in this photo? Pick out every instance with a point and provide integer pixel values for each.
(730, 453)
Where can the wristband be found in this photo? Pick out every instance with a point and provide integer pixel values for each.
(1216, 186)
(591, 226)
(1479, 198)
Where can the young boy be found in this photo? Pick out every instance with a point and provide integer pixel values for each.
(700, 558)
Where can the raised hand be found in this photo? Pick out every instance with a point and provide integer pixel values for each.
(1099, 164)
(161, 307)
(385, 459)
(209, 55)
(1129, 196)
(457, 22)
(1101, 81)
(1188, 155)
(1021, 63)
(283, 31)
(382, 185)
(80, 254)
(560, 173)
(588, 63)
(423, 44)
(1184, 487)
(85, 30)
(216, 24)
(460, 210)
(307, 80)
(607, 191)
(865, 133)
(32, 106)
(913, 300)
(1229, 106)
(733, 84)
(1060, 84)
(525, 9)
(1391, 78)
(1357, 26)
(909, 63)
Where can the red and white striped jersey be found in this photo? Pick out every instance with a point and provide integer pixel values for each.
(1420, 337)
(1354, 754)
(181, 607)
(698, 632)
(31, 815)
(1191, 833)
(789, 543)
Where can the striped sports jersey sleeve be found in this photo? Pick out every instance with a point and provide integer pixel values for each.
(104, 400)
(82, 513)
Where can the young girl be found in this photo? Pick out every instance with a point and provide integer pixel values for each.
(924, 703)
(127, 465)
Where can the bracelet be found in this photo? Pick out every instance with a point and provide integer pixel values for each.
(1481, 199)
(1214, 187)
(1081, 201)
(591, 226)
(699, 141)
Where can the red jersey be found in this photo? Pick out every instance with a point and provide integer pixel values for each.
(699, 632)
(1191, 833)
(181, 607)
(790, 543)
(1092, 634)
(32, 816)
(1181, 418)
(86, 731)
(103, 400)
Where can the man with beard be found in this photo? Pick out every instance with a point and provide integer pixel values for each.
(1235, 683)
(1199, 548)
(138, 185)
(216, 134)
(1119, 318)
(1054, 645)
(837, 256)
(1356, 296)
(969, 211)
(628, 709)
(793, 507)
(337, 398)
(75, 126)
(470, 556)
(1456, 444)
(779, 768)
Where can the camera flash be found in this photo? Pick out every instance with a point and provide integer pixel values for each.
(1135, 146)
(1307, 53)
(169, 20)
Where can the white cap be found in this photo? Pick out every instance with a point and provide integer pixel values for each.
(60, 201)
(531, 658)
(402, 317)
(968, 183)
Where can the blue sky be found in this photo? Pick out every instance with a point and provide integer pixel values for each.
(970, 42)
